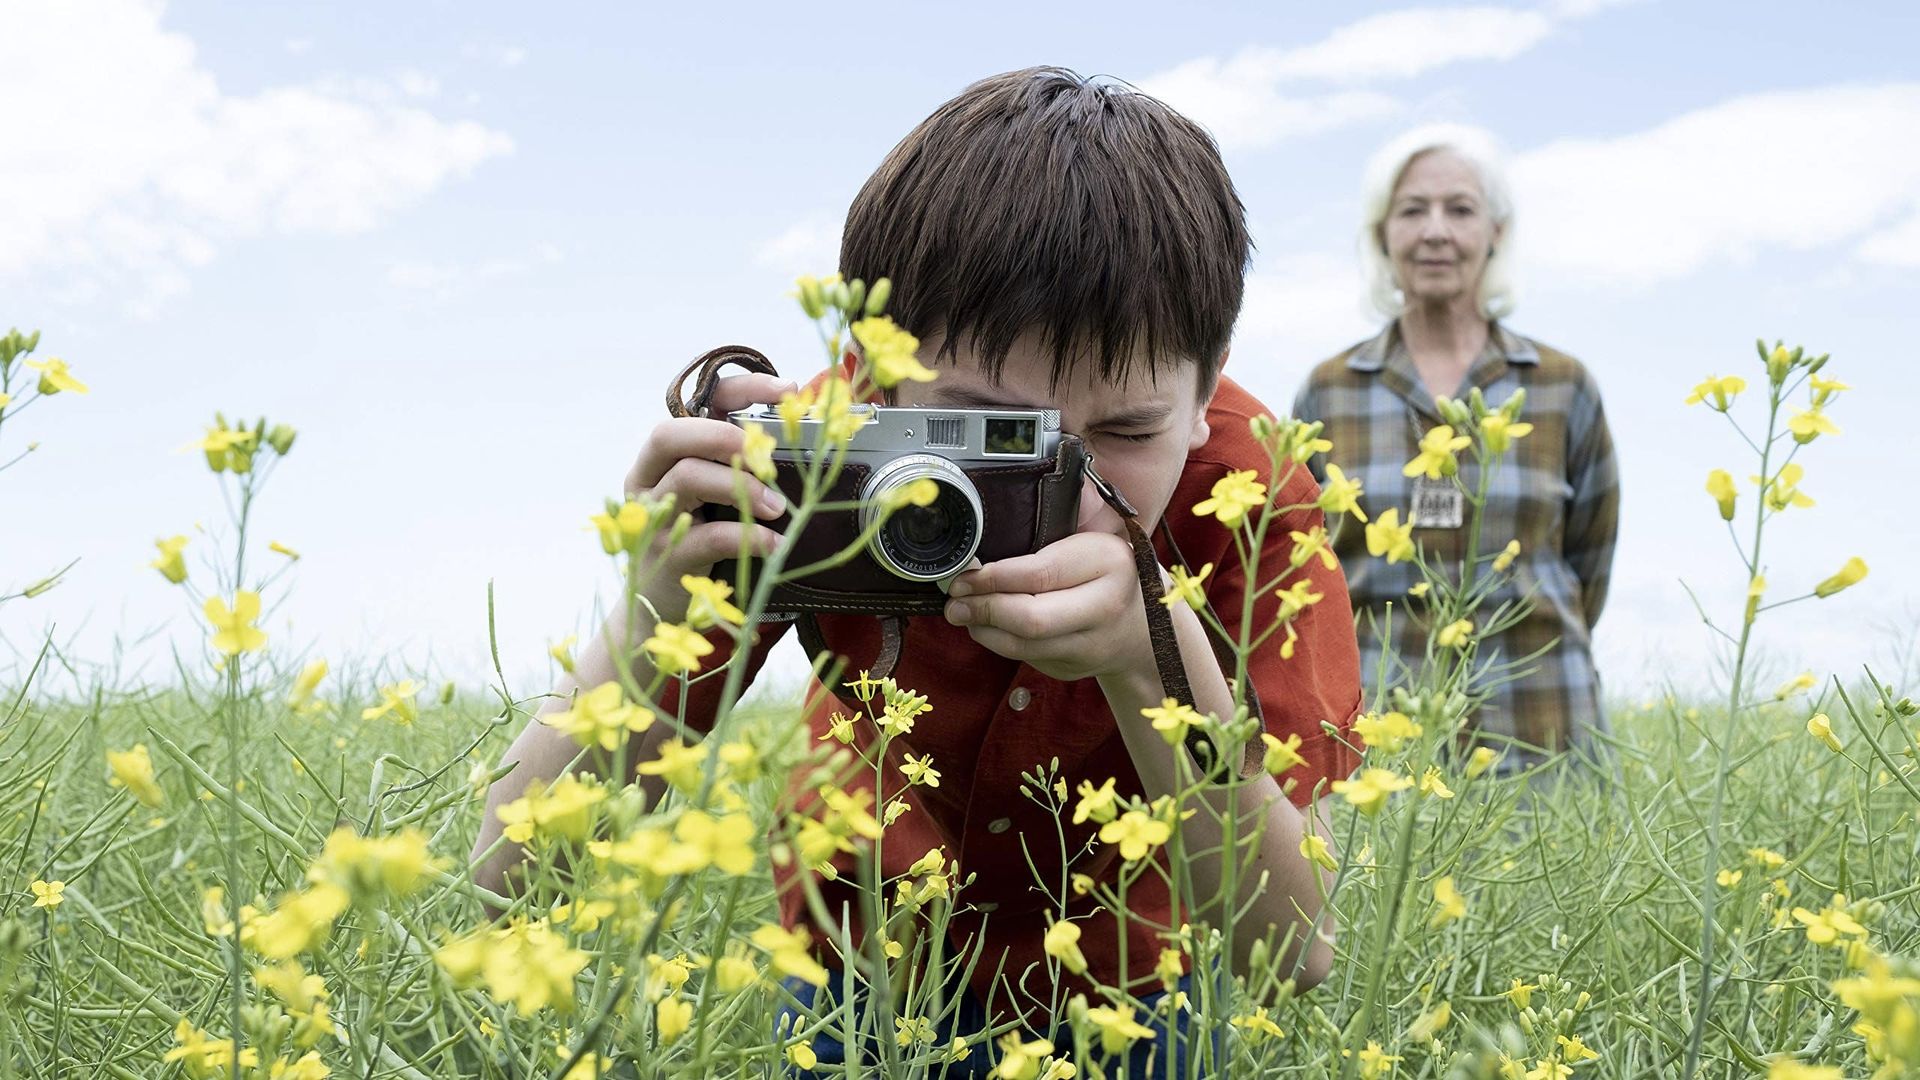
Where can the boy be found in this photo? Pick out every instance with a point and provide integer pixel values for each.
(1064, 244)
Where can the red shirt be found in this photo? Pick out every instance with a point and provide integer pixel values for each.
(993, 719)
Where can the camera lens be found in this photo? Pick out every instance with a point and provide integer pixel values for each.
(924, 543)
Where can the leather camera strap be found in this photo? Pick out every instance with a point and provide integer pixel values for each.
(1166, 645)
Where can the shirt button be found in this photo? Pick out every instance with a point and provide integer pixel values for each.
(999, 825)
(1020, 698)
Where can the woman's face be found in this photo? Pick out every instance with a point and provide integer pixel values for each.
(1438, 234)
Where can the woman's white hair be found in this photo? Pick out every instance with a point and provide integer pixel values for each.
(1482, 154)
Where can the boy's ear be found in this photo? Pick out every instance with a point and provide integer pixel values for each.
(1202, 431)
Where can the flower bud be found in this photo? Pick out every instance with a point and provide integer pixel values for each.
(1453, 412)
(838, 295)
(30, 342)
(1720, 486)
(281, 437)
(1814, 365)
(856, 297)
(877, 297)
(1477, 402)
(1779, 363)
(1514, 403)
(1848, 575)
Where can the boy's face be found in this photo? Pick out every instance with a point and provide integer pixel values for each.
(1140, 432)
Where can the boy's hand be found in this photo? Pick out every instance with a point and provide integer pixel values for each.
(1071, 610)
(689, 458)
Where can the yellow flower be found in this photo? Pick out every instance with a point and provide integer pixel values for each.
(1771, 860)
(299, 922)
(562, 652)
(1826, 926)
(1233, 495)
(676, 648)
(1169, 967)
(1340, 495)
(756, 452)
(890, 351)
(1386, 536)
(792, 409)
(1506, 556)
(708, 603)
(1449, 904)
(789, 953)
(1481, 760)
(1097, 804)
(304, 685)
(1118, 1029)
(679, 763)
(1310, 543)
(1433, 784)
(1171, 719)
(172, 564)
(1375, 1062)
(1785, 491)
(1821, 728)
(1717, 391)
(279, 548)
(1824, 389)
(839, 729)
(203, 1058)
(1419, 589)
(1720, 486)
(1456, 634)
(802, 1056)
(1785, 1068)
(1847, 576)
(55, 376)
(1281, 755)
(1573, 1051)
(1186, 588)
(1063, 944)
(672, 1017)
(1388, 732)
(398, 700)
(1809, 424)
(1802, 681)
(1727, 879)
(725, 842)
(920, 770)
(601, 716)
(909, 1030)
(1430, 1023)
(1136, 833)
(1370, 790)
(1313, 848)
(1019, 1059)
(1436, 458)
(133, 770)
(398, 864)
(47, 894)
(564, 809)
(621, 529)
(1500, 432)
(233, 629)
(1756, 589)
(1297, 598)
(1520, 993)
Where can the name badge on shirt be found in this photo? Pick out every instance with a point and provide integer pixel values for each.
(1437, 504)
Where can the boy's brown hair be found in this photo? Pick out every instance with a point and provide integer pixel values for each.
(1041, 201)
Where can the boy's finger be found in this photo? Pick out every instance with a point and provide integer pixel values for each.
(740, 391)
(686, 437)
(713, 541)
(1069, 561)
(1025, 615)
(695, 481)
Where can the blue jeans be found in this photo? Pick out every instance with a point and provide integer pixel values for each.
(1145, 1059)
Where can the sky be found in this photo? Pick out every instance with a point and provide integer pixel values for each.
(463, 247)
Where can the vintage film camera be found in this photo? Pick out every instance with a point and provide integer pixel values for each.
(1009, 482)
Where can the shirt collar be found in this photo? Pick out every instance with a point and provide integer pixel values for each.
(1371, 354)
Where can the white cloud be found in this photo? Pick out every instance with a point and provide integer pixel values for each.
(1299, 310)
(506, 56)
(418, 84)
(142, 168)
(1790, 171)
(1243, 101)
(809, 247)
(444, 279)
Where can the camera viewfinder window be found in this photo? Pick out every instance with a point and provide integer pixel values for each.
(1010, 435)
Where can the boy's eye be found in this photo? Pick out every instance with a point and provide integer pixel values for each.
(1140, 437)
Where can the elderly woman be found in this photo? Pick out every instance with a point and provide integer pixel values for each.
(1437, 240)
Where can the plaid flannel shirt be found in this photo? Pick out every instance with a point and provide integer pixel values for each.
(1557, 492)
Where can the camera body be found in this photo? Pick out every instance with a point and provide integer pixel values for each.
(1009, 484)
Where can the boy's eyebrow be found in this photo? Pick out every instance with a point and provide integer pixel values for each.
(961, 397)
